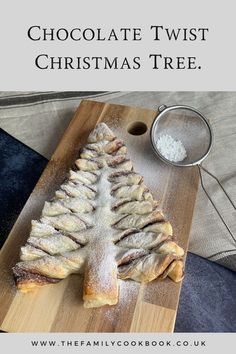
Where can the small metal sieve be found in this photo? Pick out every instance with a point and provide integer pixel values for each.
(188, 125)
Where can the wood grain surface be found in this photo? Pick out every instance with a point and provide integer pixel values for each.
(59, 308)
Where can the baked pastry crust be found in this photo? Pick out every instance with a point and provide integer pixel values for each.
(102, 223)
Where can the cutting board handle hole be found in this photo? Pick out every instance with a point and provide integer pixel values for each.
(137, 128)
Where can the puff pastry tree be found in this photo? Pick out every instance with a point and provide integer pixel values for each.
(102, 223)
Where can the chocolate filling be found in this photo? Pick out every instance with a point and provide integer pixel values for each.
(121, 173)
(37, 247)
(93, 173)
(133, 261)
(116, 161)
(129, 258)
(116, 177)
(121, 162)
(22, 276)
(77, 217)
(99, 164)
(76, 183)
(167, 239)
(116, 187)
(126, 234)
(116, 150)
(120, 203)
(74, 239)
(91, 148)
(153, 221)
(117, 222)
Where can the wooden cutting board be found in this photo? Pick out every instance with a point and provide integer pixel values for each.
(59, 308)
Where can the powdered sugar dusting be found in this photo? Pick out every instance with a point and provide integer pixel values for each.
(173, 150)
(128, 293)
(101, 275)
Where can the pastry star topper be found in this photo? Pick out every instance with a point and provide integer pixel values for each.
(102, 223)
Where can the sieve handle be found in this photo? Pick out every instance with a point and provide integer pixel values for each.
(210, 174)
(213, 204)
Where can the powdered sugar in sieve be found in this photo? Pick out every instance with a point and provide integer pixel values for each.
(173, 150)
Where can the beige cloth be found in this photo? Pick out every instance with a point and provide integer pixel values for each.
(39, 121)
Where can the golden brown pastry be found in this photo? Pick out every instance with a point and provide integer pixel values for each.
(102, 223)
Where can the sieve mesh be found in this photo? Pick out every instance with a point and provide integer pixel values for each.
(187, 125)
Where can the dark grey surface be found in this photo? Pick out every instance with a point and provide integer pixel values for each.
(208, 296)
(20, 168)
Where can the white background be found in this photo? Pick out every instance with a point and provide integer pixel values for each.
(217, 55)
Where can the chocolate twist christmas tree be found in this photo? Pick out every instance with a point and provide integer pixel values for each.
(102, 223)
